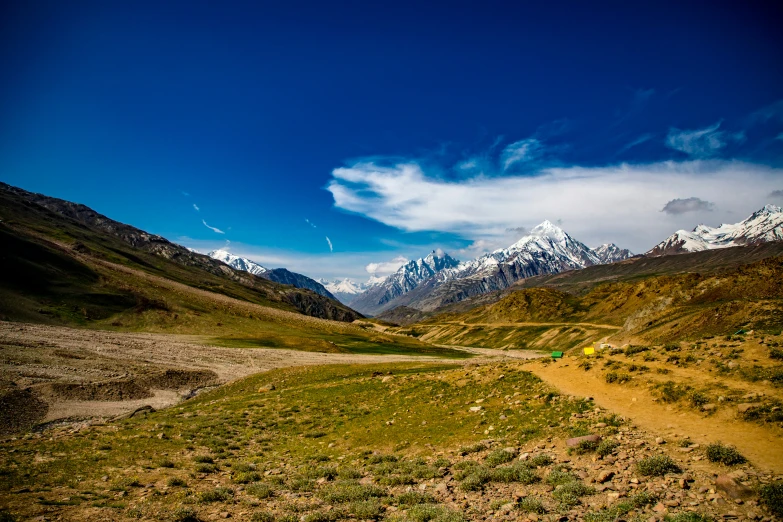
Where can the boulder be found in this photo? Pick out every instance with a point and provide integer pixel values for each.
(732, 488)
(575, 441)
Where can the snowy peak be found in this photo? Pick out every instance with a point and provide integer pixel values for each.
(611, 253)
(763, 226)
(344, 286)
(550, 230)
(239, 263)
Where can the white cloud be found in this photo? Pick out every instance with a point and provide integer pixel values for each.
(681, 206)
(214, 229)
(700, 143)
(331, 249)
(196, 207)
(779, 136)
(521, 151)
(385, 268)
(310, 223)
(618, 203)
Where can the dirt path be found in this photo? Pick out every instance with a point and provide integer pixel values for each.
(759, 445)
(589, 325)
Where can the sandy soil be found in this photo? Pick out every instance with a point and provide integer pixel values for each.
(760, 445)
(35, 356)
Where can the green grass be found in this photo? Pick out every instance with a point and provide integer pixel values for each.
(243, 436)
(723, 454)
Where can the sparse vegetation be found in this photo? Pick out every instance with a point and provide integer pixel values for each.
(657, 466)
(727, 455)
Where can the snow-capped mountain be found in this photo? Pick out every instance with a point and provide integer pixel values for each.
(611, 253)
(405, 279)
(546, 250)
(278, 275)
(240, 263)
(346, 290)
(762, 226)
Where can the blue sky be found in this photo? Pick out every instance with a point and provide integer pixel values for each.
(394, 128)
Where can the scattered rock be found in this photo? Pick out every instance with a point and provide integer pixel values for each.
(745, 407)
(575, 441)
(732, 488)
(604, 476)
(266, 388)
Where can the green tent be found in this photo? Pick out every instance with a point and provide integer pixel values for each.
(557, 355)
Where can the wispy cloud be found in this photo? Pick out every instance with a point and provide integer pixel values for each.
(779, 136)
(329, 241)
(186, 194)
(639, 100)
(214, 229)
(196, 207)
(384, 268)
(521, 151)
(616, 203)
(773, 111)
(638, 141)
(310, 223)
(776, 195)
(681, 206)
(699, 143)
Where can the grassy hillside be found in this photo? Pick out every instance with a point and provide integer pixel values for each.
(51, 260)
(653, 309)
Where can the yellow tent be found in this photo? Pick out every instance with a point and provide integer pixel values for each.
(589, 351)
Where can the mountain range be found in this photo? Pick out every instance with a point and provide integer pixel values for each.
(278, 275)
(439, 279)
(762, 226)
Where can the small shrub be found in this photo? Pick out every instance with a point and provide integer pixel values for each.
(473, 448)
(366, 509)
(531, 505)
(378, 459)
(217, 495)
(541, 460)
(498, 457)
(672, 347)
(568, 494)
(632, 349)
(776, 353)
(558, 477)
(476, 479)
(262, 516)
(175, 482)
(185, 514)
(412, 498)
(516, 472)
(349, 474)
(166, 463)
(585, 446)
(321, 516)
(772, 497)
(203, 459)
(657, 466)
(247, 477)
(260, 490)
(205, 468)
(671, 391)
(698, 399)
(727, 455)
(397, 480)
(606, 447)
(617, 377)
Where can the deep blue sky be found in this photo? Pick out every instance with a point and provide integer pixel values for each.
(248, 108)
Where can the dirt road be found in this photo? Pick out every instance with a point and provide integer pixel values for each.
(761, 446)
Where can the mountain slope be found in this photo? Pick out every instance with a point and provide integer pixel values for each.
(763, 226)
(654, 309)
(611, 253)
(404, 280)
(62, 262)
(278, 275)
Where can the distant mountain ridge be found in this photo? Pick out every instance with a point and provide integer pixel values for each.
(546, 250)
(346, 290)
(278, 275)
(763, 226)
(405, 279)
